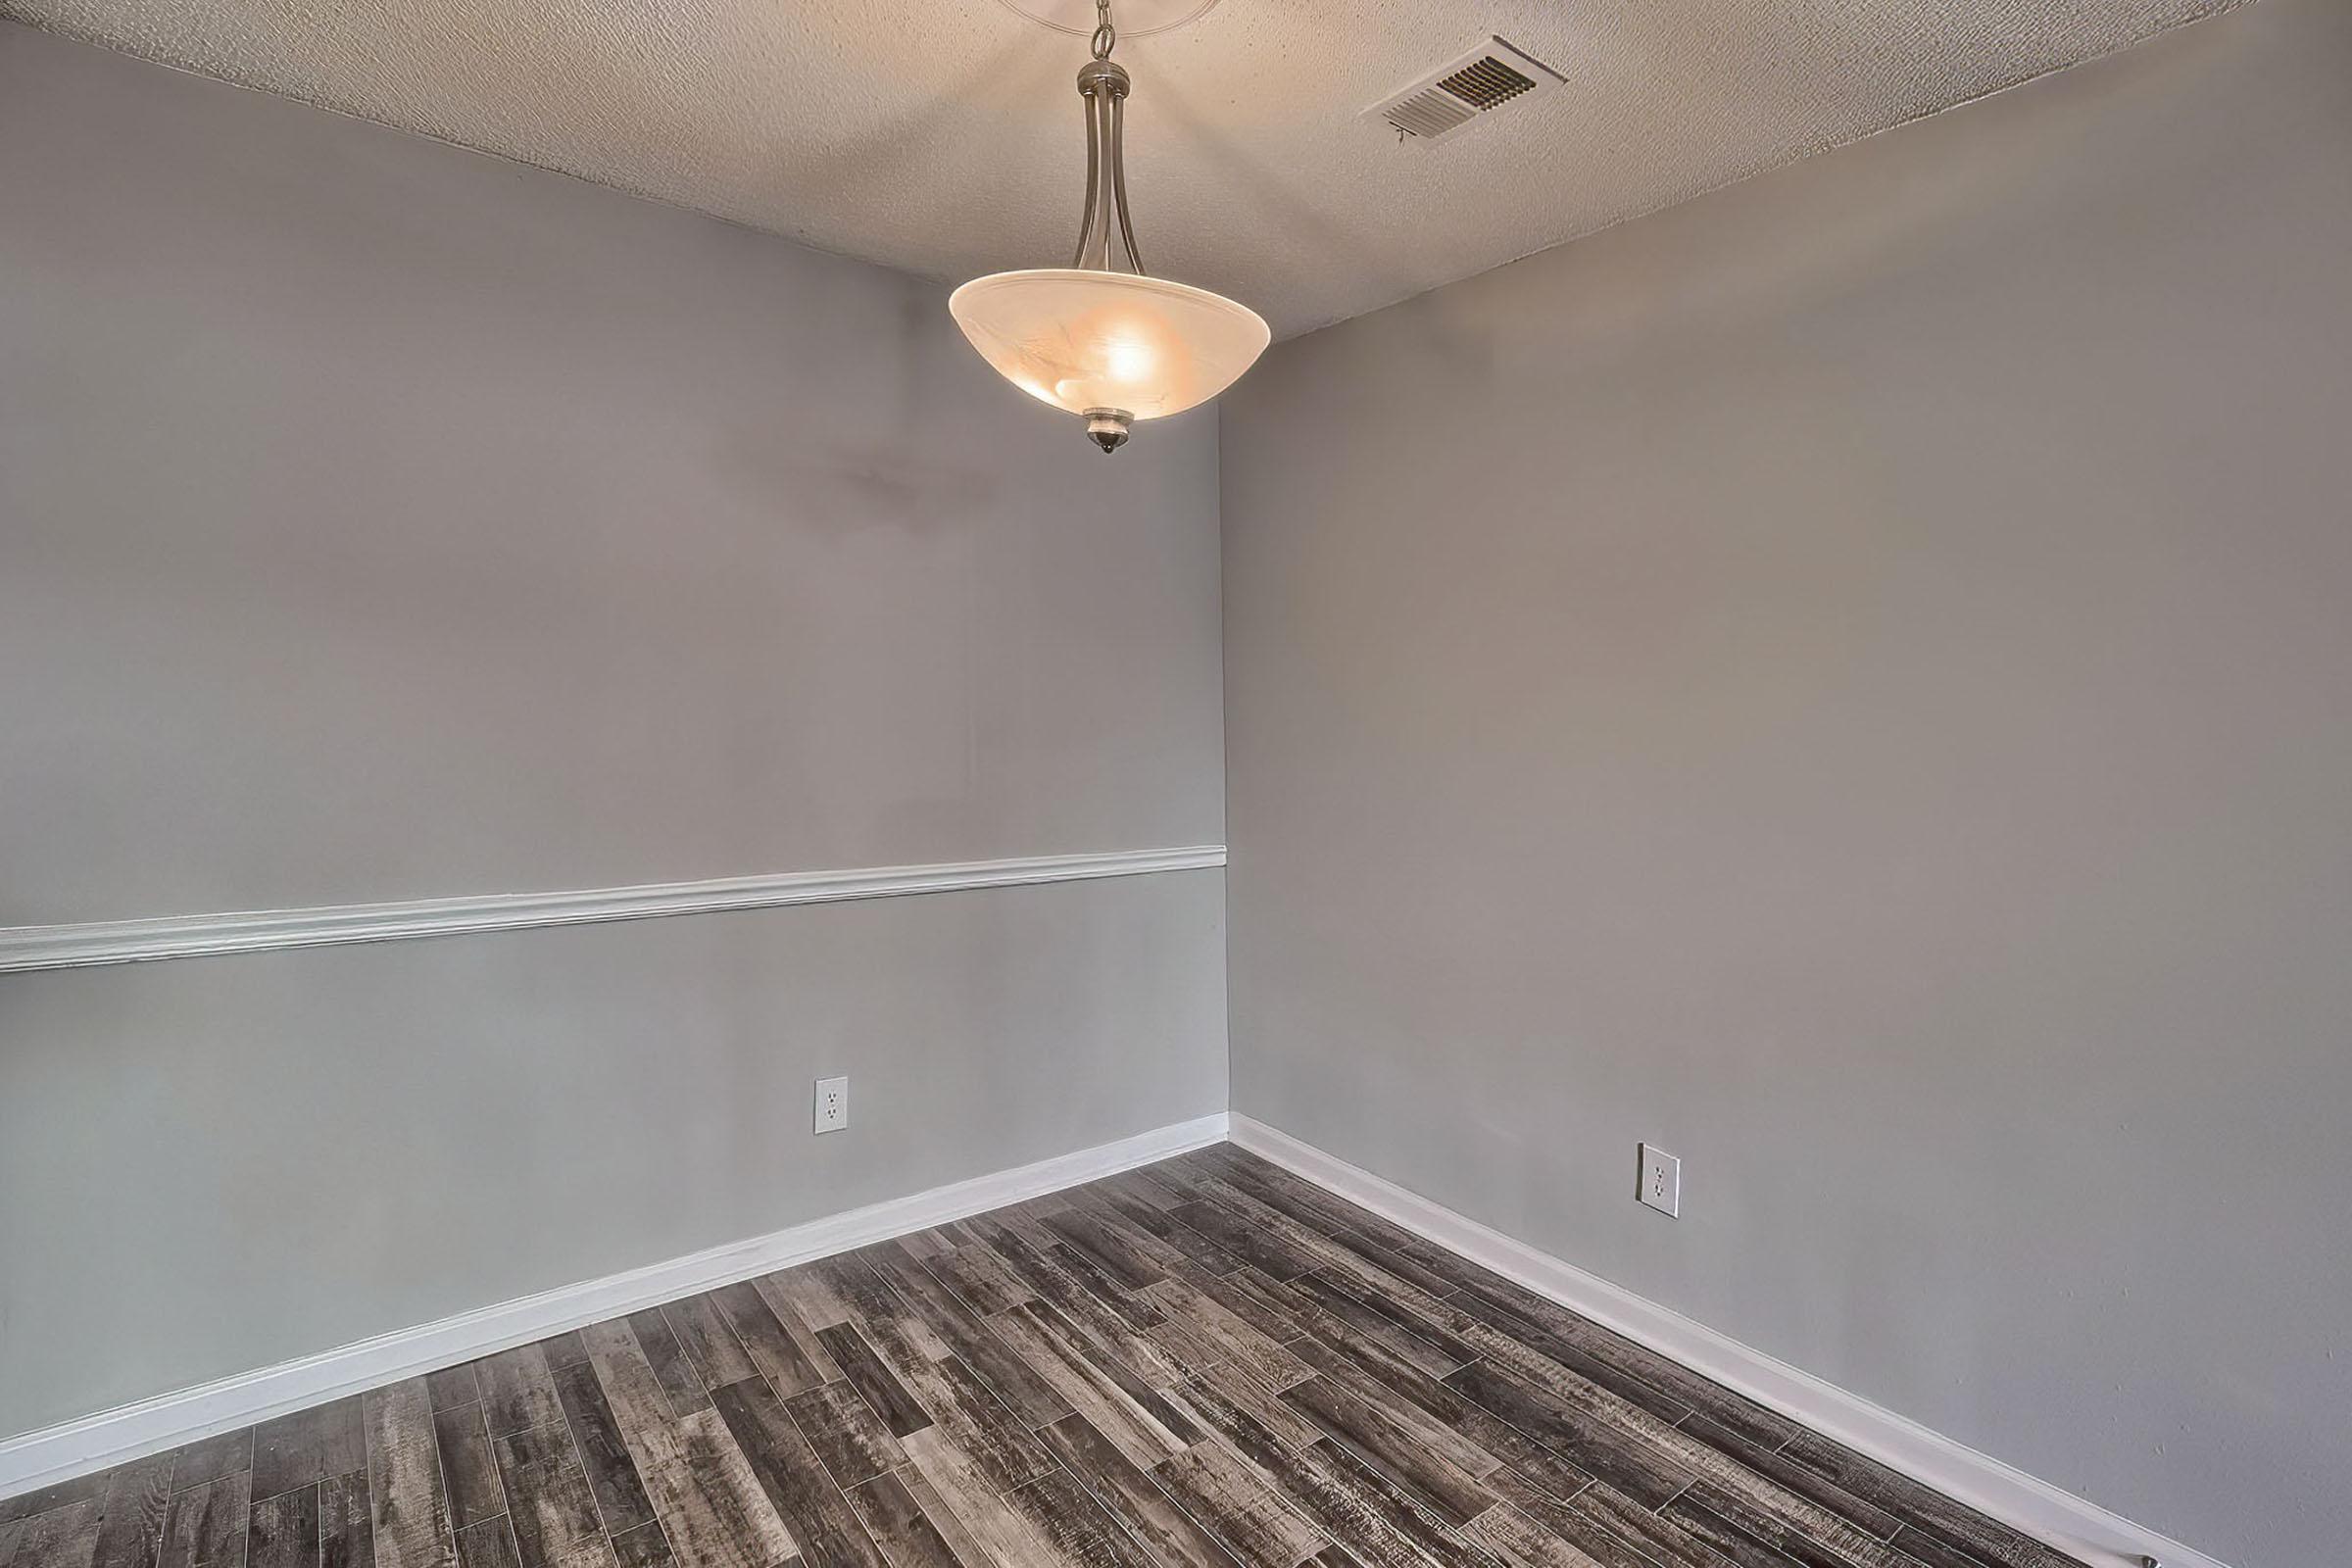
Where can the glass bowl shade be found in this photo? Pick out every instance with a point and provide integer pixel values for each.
(1082, 340)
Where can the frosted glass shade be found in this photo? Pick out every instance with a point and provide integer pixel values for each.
(1083, 340)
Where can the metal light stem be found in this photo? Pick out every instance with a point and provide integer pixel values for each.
(1102, 88)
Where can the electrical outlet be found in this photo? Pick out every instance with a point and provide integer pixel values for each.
(1661, 1182)
(832, 1104)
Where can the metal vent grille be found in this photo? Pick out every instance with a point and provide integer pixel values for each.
(1453, 96)
(1487, 83)
(1430, 114)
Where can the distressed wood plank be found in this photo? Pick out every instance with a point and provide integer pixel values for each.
(789, 1311)
(205, 1524)
(517, 1391)
(1129, 1494)
(852, 1440)
(1410, 1519)
(718, 1356)
(1231, 1336)
(961, 1541)
(1135, 1418)
(1741, 1490)
(282, 1531)
(1726, 1539)
(1639, 1470)
(980, 1279)
(1345, 1510)
(453, 1386)
(993, 1439)
(1057, 1275)
(345, 1522)
(682, 1389)
(47, 1499)
(1384, 1441)
(1273, 1253)
(1150, 1184)
(1028, 1218)
(468, 1468)
(1544, 1358)
(488, 1544)
(875, 1383)
(1434, 1414)
(308, 1447)
(803, 1294)
(1114, 1318)
(211, 1458)
(1375, 1337)
(1922, 1509)
(1336, 1556)
(1476, 1439)
(1071, 1527)
(711, 1507)
(132, 1500)
(622, 1505)
(908, 1537)
(1242, 1413)
(1111, 1329)
(1519, 1541)
(1603, 1520)
(968, 1338)
(409, 1507)
(1233, 1502)
(1357, 1263)
(63, 1536)
(1933, 1552)
(826, 1527)
(565, 1349)
(642, 1547)
(612, 1337)
(1122, 1212)
(1798, 1477)
(1618, 1363)
(1118, 1253)
(1266, 1304)
(888, 1320)
(1820, 1542)
(1378, 1241)
(979, 1507)
(778, 1356)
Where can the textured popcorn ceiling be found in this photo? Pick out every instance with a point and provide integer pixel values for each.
(942, 137)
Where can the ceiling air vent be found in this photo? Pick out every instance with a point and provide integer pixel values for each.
(1453, 96)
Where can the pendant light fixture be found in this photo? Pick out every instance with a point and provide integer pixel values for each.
(1110, 346)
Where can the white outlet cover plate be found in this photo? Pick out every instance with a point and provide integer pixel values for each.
(1661, 1181)
(832, 1104)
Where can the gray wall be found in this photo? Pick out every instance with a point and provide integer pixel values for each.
(379, 521)
(388, 522)
(1850, 679)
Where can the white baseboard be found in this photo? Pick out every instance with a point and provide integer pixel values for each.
(150, 1426)
(2073, 1525)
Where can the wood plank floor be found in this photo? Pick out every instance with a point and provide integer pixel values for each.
(1204, 1363)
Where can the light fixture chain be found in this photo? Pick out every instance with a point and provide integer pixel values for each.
(1106, 36)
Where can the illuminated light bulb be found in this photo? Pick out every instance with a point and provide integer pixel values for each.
(1128, 359)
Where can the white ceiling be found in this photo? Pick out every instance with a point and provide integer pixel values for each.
(943, 136)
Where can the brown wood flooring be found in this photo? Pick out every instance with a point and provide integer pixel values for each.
(1207, 1361)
